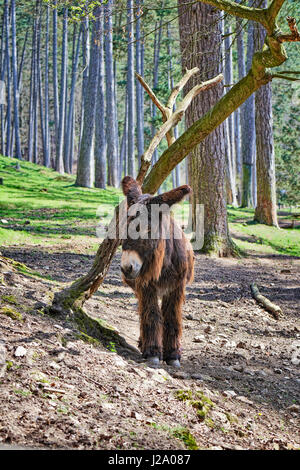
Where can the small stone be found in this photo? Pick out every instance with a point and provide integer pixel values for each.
(199, 339)
(238, 368)
(20, 351)
(54, 365)
(197, 376)
(278, 371)
(241, 345)
(180, 375)
(208, 329)
(294, 408)
(4, 221)
(244, 400)
(229, 393)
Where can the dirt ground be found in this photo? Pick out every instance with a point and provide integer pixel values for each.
(238, 387)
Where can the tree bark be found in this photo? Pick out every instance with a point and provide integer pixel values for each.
(85, 160)
(100, 137)
(248, 141)
(200, 32)
(59, 165)
(266, 209)
(15, 80)
(130, 90)
(112, 170)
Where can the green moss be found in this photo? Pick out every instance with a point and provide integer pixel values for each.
(88, 339)
(185, 435)
(197, 400)
(11, 313)
(10, 299)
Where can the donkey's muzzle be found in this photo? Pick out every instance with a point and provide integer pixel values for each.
(131, 264)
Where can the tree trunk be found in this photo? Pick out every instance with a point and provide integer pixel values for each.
(15, 80)
(8, 96)
(61, 125)
(54, 70)
(248, 139)
(70, 118)
(130, 90)
(230, 120)
(200, 31)
(100, 137)
(112, 176)
(139, 88)
(85, 160)
(266, 210)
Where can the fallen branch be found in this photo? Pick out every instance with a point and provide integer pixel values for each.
(264, 302)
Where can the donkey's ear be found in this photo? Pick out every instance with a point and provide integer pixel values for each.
(131, 189)
(173, 196)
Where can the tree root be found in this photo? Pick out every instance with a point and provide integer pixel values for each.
(94, 329)
(264, 302)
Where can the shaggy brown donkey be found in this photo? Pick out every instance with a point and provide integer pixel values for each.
(157, 261)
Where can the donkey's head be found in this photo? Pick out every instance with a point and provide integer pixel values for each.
(148, 225)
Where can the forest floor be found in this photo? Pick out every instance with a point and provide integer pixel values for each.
(239, 384)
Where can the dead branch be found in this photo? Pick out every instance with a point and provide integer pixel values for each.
(264, 302)
(171, 118)
(294, 36)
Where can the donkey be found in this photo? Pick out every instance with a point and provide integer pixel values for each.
(157, 267)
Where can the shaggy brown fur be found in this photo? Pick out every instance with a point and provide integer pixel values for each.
(167, 265)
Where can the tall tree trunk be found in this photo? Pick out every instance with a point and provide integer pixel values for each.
(139, 88)
(8, 95)
(266, 210)
(15, 80)
(70, 116)
(39, 78)
(59, 165)
(85, 65)
(248, 139)
(130, 90)
(176, 171)
(200, 32)
(100, 137)
(54, 70)
(112, 162)
(46, 118)
(85, 160)
(230, 121)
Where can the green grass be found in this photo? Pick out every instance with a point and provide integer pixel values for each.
(251, 236)
(40, 207)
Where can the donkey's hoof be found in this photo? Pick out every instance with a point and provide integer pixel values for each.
(153, 361)
(174, 363)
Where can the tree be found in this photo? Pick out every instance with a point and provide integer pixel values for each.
(248, 141)
(59, 165)
(85, 159)
(100, 137)
(111, 137)
(15, 79)
(130, 90)
(200, 31)
(266, 209)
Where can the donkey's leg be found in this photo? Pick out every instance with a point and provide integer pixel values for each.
(172, 329)
(151, 326)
